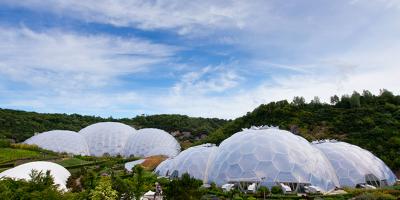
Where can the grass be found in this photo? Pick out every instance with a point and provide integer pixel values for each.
(68, 162)
(10, 154)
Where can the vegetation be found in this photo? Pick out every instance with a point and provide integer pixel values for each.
(9, 154)
(20, 125)
(372, 122)
(369, 121)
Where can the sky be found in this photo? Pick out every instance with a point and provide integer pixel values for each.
(207, 58)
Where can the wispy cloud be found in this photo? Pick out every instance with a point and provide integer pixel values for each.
(272, 50)
(63, 60)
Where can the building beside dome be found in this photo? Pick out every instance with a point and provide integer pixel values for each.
(61, 141)
(150, 142)
(355, 166)
(107, 138)
(58, 172)
(194, 161)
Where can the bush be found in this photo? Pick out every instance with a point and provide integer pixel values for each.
(5, 143)
(375, 196)
(263, 190)
(276, 190)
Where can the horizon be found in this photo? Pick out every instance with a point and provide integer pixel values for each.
(217, 59)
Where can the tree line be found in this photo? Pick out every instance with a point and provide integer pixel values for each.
(364, 119)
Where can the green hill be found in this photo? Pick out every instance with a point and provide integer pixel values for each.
(369, 121)
(20, 125)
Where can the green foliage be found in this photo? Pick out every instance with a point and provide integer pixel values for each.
(9, 154)
(39, 187)
(371, 122)
(4, 143)
(20, 125)
(276, 190)
(263, 190)
(185, 188)
(103, 190)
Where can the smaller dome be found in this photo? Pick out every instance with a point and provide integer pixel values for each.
(107, 138)
(60, 141)
(195, 161)
(165, 168)
(58, 172)
(151, 142)
(354, 165)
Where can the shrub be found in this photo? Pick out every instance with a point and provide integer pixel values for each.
(276, 190)
(375, 196)
(5, 143)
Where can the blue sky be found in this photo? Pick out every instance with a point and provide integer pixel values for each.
(208, 58)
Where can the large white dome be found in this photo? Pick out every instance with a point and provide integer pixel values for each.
(194, 161)
(61, 141)
(271, 156)
(58, 172)
(355, 165)
(150, 142)
(107, 138)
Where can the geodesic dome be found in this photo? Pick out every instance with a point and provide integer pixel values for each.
(150, 142)
(58, 172)
(271, 156)
(354, 165)
(195, 161)
(60, 141)
(107, 138)
(165, 167)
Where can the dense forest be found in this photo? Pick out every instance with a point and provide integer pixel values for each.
(20, 125)
(370, 121)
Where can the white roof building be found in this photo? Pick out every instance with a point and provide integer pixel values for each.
(58, 172)
(107, 138)
(194, 161)
(150, 142)
(61, 141)
(271, 156)
(354, 165)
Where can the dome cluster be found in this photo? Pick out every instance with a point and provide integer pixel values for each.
(270, 156)
(108, 138)
(58, 172)
(354, 165)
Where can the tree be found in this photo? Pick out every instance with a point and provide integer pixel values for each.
(263, 191)
(355, 100)
(335, 99)
(316, 101)
(137, 183)
(103, 190)
(298, 101)
(276, 190)
(185, 188)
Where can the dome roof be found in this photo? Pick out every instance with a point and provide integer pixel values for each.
(59, 173)
(194, 161)
(354, 165)
(107, 137)
(271, 156)
(61, 141)
(150, 142)
(165, 167)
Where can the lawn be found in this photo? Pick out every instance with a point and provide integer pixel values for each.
(9, 154)
(68, 162)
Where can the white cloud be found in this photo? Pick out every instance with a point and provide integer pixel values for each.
(330, 47)
(63, 60)
(210, 79)
(182, 16)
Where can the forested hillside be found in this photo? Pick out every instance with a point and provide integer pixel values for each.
(372, 122)
(20, 125)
